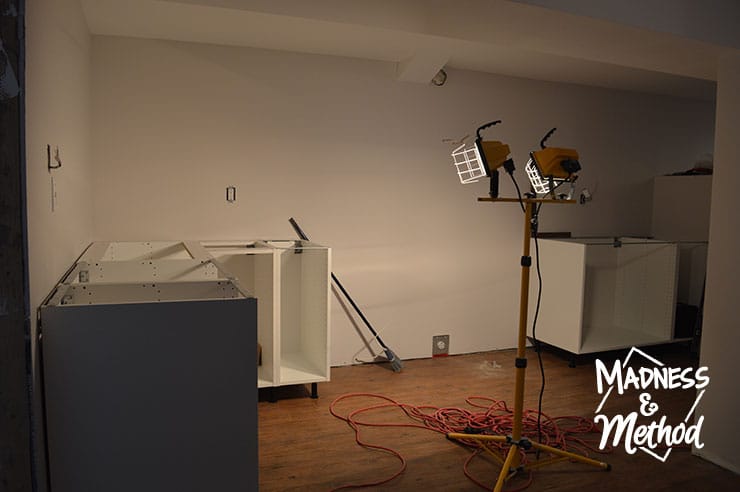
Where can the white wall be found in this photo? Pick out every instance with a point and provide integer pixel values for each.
(357, 158)
(58, 112)
(720, 335)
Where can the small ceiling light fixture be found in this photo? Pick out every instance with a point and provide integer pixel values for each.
(440, 78)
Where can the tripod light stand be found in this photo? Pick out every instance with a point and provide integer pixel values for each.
(566, 159)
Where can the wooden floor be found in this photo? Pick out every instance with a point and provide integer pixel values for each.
(302, 447)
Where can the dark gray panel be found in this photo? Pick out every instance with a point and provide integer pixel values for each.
(152, 396)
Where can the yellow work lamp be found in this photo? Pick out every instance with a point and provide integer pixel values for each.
(482, 160)
(550, 167)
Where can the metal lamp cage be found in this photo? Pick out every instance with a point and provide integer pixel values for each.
(468, 163)
(540, 185)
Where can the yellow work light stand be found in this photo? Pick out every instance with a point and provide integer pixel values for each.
(511, 464)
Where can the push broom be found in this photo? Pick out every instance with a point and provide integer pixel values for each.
(396, 363)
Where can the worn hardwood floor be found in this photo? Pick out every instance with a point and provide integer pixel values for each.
(302, 447)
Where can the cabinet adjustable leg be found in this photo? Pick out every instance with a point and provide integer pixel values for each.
(314, 390)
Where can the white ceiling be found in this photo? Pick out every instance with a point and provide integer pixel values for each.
(422, 36)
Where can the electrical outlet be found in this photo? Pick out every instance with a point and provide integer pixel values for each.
(440, 345)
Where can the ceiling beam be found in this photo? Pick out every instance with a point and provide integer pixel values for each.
(423, 64)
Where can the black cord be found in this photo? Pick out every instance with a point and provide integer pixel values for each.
(518, 191)
(537, 347)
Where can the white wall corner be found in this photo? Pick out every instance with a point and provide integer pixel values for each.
(422, 65)
(721, 404)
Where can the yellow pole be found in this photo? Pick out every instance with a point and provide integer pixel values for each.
(513, 460)
(522, 340)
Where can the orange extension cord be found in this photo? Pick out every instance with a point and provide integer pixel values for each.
(490, 416)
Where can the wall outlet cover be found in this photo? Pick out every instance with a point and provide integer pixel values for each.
(440, 345)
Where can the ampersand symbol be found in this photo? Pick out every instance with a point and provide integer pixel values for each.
(647, 407)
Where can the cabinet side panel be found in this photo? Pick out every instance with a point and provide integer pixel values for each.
(314, 302)
(563, 269)
(264, 289)
(151, 397)
(290, 302)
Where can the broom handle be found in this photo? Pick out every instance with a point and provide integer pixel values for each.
(357, 309)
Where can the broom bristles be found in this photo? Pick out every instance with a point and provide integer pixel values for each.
(396, 362)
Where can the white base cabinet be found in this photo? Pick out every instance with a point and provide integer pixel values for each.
(290, 279)
(291, 282)
(597, 297)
